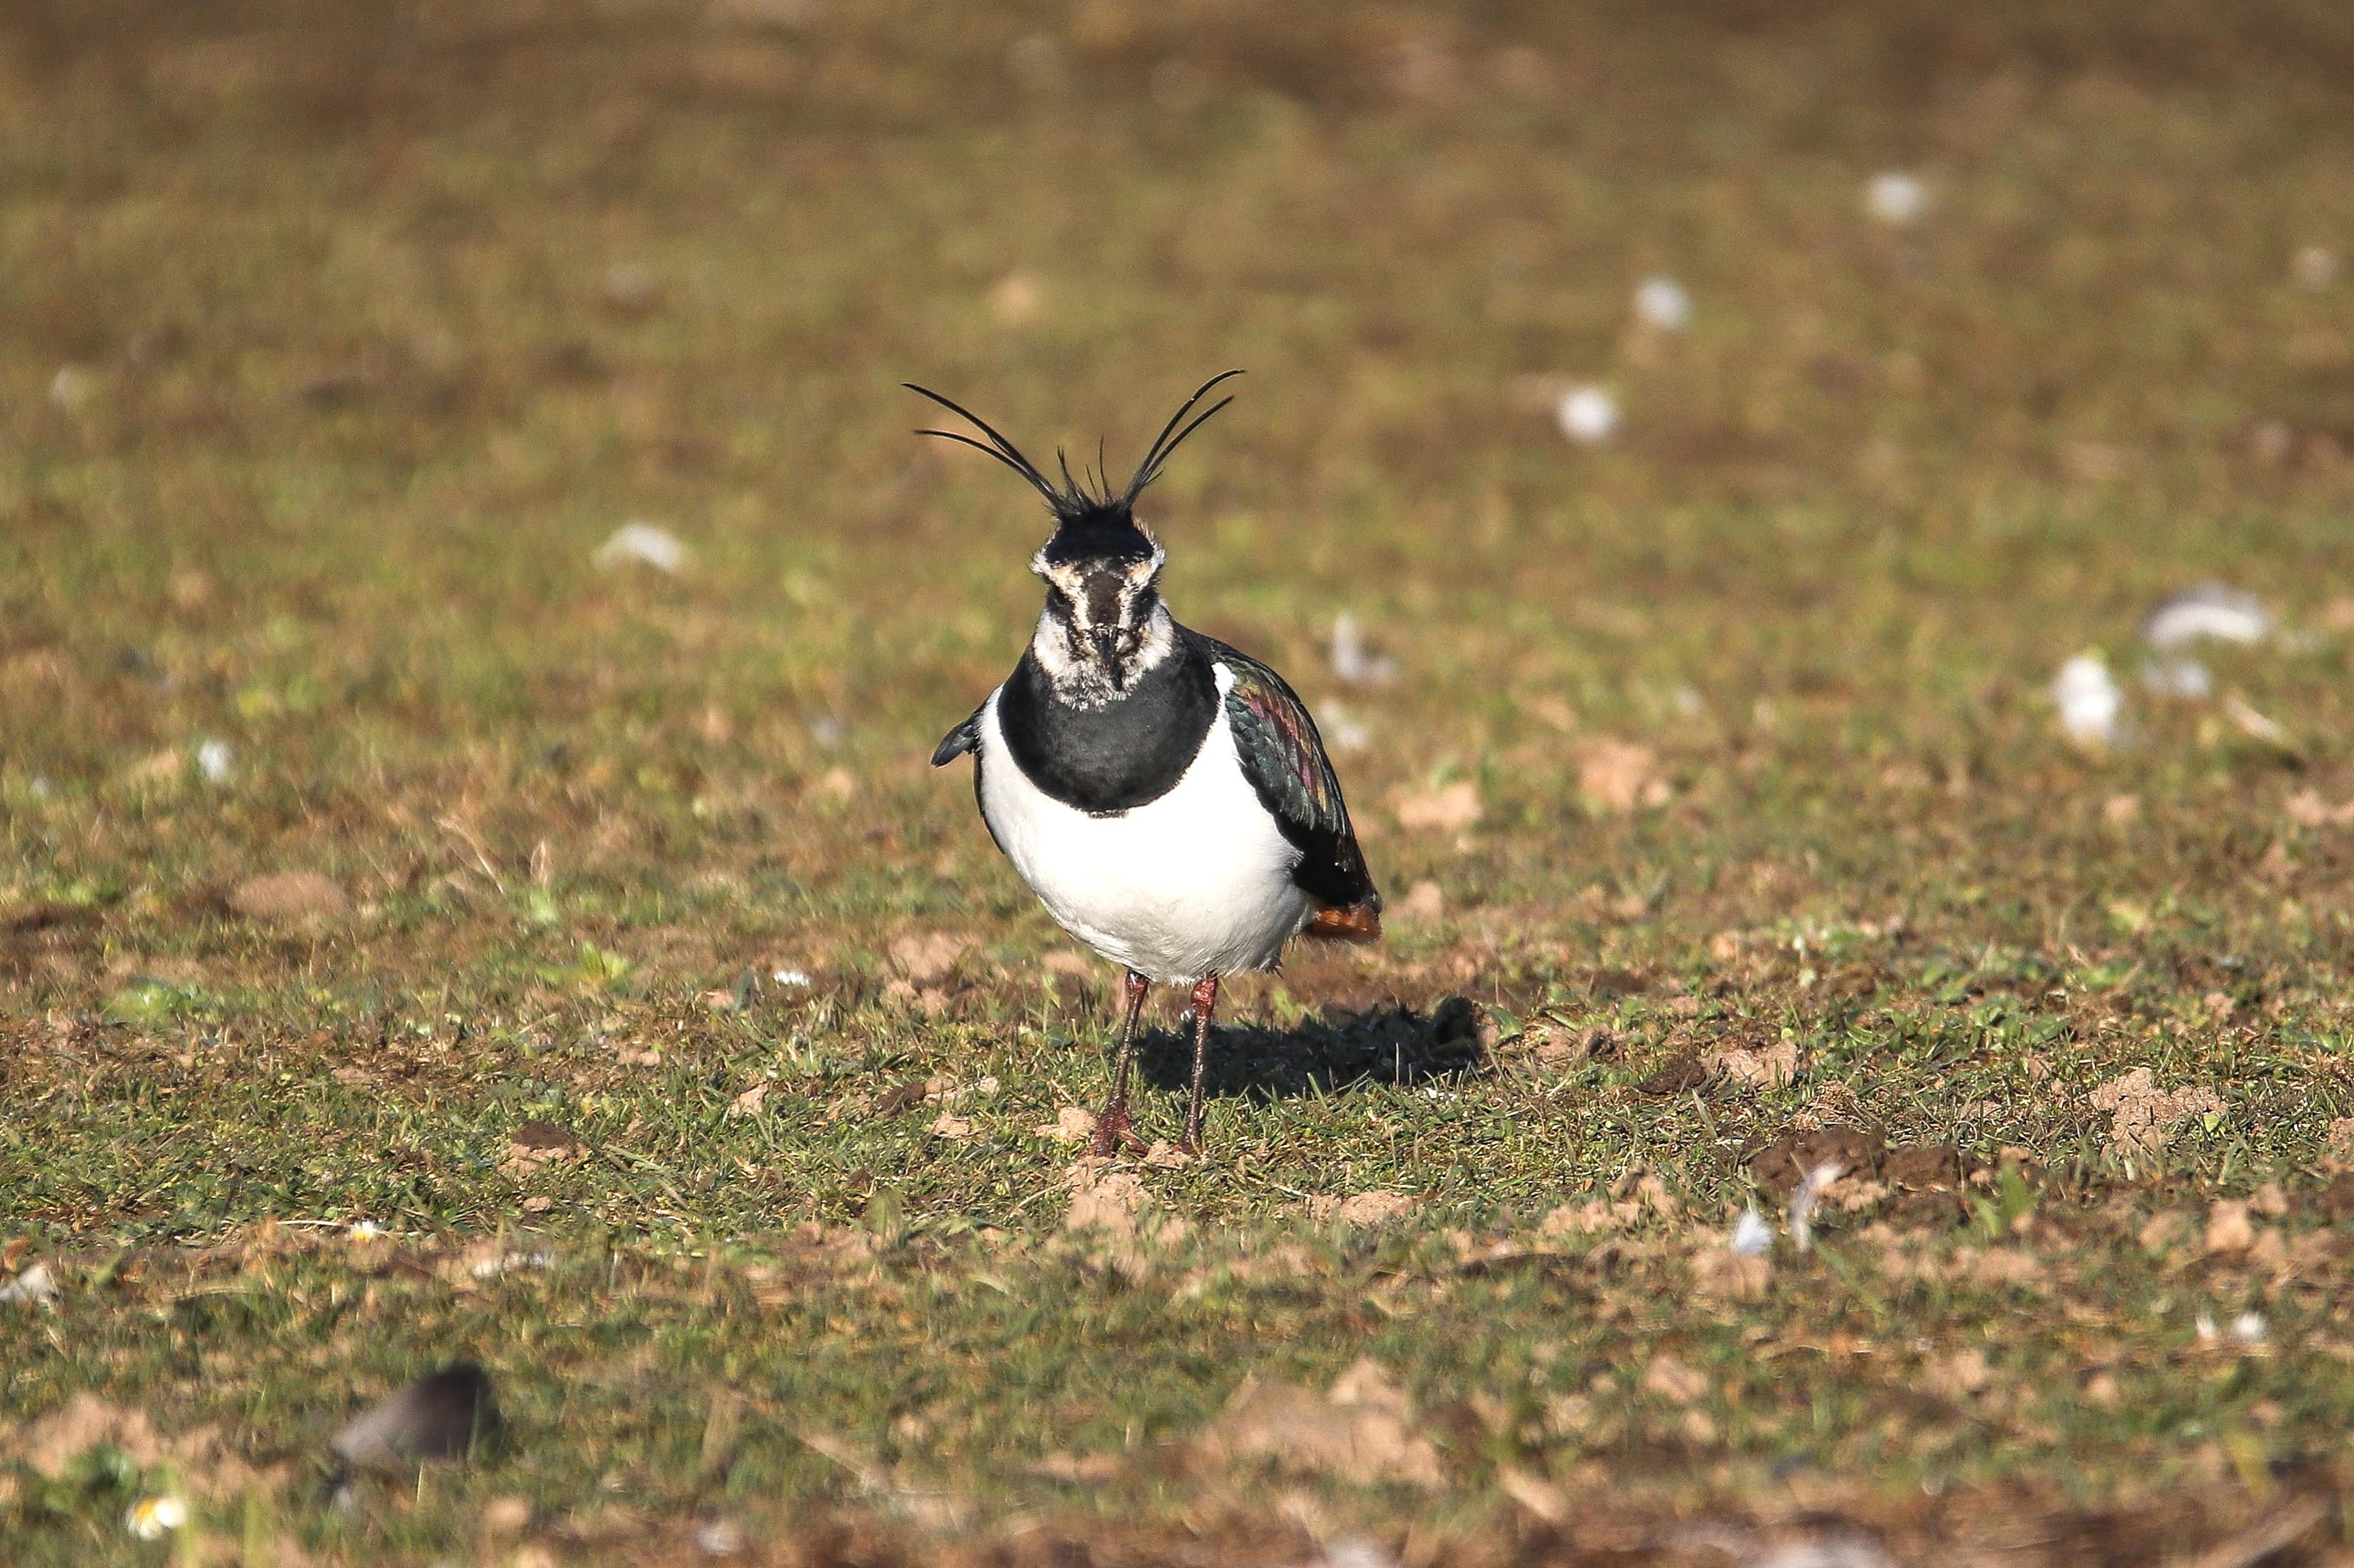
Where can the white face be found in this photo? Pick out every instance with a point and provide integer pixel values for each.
(1103, 624)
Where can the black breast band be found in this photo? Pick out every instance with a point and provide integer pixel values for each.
(1113, 759)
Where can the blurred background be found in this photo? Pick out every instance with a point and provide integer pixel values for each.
(1671, 429)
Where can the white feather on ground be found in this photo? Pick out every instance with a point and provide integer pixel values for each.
(1588, 415)
(1896, 199)
(1661, 302)
(641, 544)
(1807, 1198)
(2209, 611)
(2089, 701)
(1752, 1236)
(1352, 661)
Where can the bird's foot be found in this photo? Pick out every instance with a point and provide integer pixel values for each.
(1111, 1131)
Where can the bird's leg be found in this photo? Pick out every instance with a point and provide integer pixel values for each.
(1112, 1124)
(1205, 1001)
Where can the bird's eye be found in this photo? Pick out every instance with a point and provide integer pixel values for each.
(1059, 602)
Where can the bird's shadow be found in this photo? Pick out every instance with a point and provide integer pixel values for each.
(1322, 1055)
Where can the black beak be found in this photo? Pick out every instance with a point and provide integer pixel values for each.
(1107, 641)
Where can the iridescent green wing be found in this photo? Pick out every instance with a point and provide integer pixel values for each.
(1283, 756)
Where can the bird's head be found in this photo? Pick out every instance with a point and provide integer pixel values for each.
(1103, 624)
(1103, 613)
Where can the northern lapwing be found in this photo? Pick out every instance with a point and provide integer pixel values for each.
(1166, 796)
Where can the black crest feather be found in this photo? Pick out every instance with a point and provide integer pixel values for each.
(1084, 501)
(1163, 444)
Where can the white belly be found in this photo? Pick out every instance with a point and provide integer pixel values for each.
(1195, 883)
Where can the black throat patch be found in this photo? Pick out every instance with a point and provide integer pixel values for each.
(1125, 752)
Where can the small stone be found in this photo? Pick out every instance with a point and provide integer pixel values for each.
(1559, 1047)
(1764, 1068)
(1071, 1124)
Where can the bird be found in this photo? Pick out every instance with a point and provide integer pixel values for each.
(1165, 795)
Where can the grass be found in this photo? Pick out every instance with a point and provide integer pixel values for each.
(335, 345)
